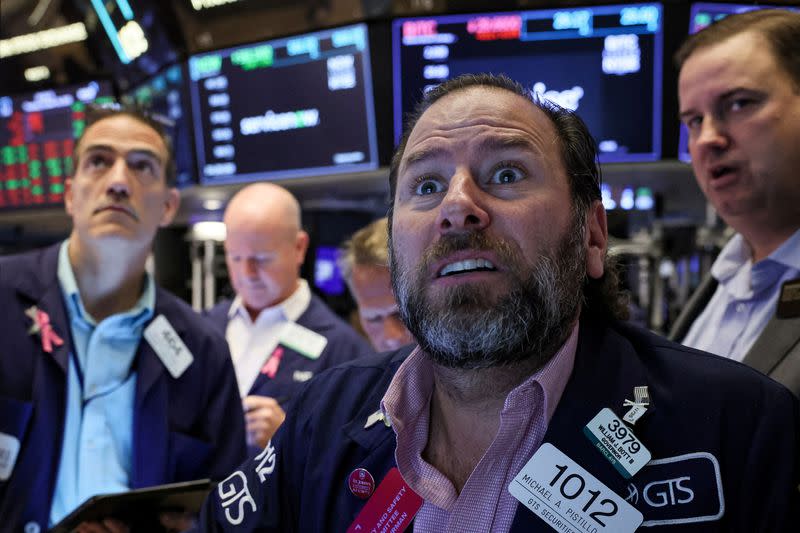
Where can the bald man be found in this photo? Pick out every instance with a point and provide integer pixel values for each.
(279, 333)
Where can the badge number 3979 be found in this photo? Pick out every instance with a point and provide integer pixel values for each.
(570, 499)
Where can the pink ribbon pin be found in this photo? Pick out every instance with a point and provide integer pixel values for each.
(42, 326)
(270, 368)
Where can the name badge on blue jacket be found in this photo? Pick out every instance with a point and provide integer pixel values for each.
(168, 346)
(9, 448)
(302, 340)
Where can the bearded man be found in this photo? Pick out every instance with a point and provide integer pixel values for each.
(527, 405)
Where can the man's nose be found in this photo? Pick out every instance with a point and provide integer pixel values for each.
(461, 208)
(251, 267)
(118, 180)
(713, 135)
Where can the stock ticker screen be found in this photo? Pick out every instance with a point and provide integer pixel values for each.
(168, 95)
(702, 15)
(286, 108)
(603, 62)
(37, 137)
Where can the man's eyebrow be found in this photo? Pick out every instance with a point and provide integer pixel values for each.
(718, 98)
(508, 142)
(136, 151)
(423, 154)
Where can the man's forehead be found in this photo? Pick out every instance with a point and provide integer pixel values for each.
(483, 118)
(124, 134)
(479, 106)
(745, 58)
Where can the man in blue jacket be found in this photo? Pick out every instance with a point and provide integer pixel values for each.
(279, 333)
(526, 406)
(107, 382)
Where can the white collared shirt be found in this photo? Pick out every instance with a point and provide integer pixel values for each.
(745, 299)
(252, 342)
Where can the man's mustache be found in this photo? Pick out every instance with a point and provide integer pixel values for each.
(477, 241)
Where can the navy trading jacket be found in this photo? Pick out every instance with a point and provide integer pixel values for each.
(344, 344)
(724, 440)
(183, 428)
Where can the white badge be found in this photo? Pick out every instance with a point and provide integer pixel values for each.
(617, 443)
(303, 341)
(301, 376)
(9, 448)
(168, 346)
(571, 500)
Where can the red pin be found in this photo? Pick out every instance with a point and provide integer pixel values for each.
(361, 483)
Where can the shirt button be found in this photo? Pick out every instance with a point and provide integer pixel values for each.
(741, 308)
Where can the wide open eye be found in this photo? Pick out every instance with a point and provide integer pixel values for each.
(506, 173)
(426, 185)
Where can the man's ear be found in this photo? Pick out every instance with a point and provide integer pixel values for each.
(596, 239)
(301, 246)
(171, 204)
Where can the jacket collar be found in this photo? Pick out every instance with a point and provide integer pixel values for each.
(37, 283)
(376, 434)
(773, 344)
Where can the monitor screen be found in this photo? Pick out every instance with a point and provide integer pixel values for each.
(37, 137)
(167, 94)
(603, 62)
(294, 107)
(327, 275)
(700, 16)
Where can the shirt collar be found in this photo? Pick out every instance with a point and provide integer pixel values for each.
(734, 261)
(788, 253)
(144, 307)
(412, 385)
(292, 308)
(733, 256)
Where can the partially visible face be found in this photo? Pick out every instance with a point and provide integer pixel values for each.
(487, 258)
(372, 289)
(263, 265)
(119, 190)
(743, 116)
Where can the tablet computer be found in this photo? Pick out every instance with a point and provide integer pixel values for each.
(139, 508)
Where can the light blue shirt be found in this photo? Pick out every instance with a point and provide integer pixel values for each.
(98, 432)
(745, 299)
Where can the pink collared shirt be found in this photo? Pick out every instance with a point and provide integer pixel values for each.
(484, 503)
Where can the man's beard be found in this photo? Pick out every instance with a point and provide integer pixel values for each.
(466, 327)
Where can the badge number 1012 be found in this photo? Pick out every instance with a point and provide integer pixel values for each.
(570, 499)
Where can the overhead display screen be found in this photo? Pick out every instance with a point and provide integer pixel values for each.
(603, 62)
(37, 137)
(700, 16)
(287, 108)
(168, 95)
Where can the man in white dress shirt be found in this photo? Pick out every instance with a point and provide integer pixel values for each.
(279, 333)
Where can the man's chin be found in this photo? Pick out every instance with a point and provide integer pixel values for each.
(256, 301)
(114, 233)
(471, 297)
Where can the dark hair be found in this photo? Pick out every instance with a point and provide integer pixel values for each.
(158, 123)
(578, 148)
(578, 152)
(780, 28)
